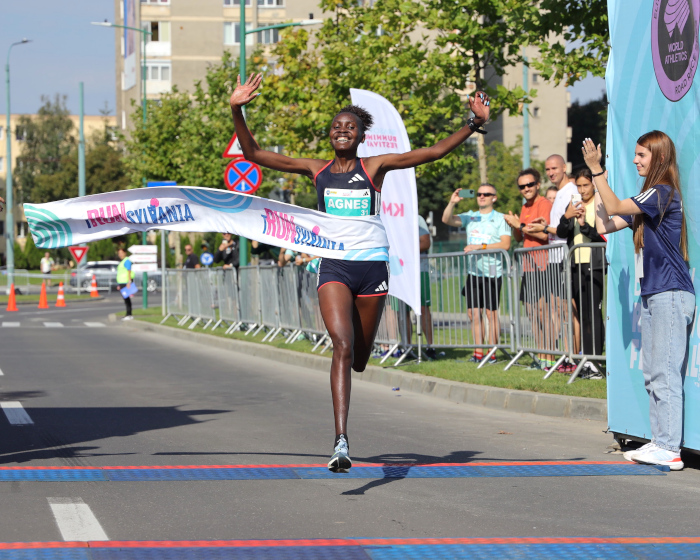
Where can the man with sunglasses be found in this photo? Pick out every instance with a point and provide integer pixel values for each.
(535, 209)
(486, 231)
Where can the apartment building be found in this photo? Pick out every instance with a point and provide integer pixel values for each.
(188, 35)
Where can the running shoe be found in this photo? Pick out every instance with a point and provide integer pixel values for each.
(127, 318)
(632, 453)
(431, 353)
(475, 360)
(491, 360)
(340, 462)
(657, 456)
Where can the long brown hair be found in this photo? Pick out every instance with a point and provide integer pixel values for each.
(663, 170)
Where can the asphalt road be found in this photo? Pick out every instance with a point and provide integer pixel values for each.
(111, 396)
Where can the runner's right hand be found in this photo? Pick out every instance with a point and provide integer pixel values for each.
(245, 93)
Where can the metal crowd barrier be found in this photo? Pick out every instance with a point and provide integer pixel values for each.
(585, 267)
(226, 289)
(30, 282)
(249, 286)
(471, 301)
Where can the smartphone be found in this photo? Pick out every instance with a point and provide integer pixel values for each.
(576, 199)
(466, 193)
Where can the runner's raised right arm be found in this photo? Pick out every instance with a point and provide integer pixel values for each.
(244, 94)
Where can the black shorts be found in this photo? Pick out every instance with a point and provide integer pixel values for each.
(556, 280)
(482, 292)
(363, 278)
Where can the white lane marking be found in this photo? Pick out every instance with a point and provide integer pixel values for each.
(88, 324)
(76, 521)
(1, 373)
(53, 325)
(10, 324)
(15, 413)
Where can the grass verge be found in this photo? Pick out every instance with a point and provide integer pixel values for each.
(453, 365)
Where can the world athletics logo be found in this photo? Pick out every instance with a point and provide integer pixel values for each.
(674, 45)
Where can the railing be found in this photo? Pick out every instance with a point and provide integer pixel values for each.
(479, 300)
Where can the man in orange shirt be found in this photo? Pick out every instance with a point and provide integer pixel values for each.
(532, 287)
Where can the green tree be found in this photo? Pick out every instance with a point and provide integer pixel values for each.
(48, 139)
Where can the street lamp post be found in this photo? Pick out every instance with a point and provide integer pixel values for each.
(10, 218)
(242, 66)
(144, 33)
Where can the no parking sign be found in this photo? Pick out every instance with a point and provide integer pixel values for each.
(242, 176)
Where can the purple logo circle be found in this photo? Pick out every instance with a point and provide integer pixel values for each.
(674, 45)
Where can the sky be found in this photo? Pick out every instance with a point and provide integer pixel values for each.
(66, 50)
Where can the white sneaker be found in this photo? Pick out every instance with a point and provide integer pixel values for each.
(127, 318)
(658, 456)
(630, 455)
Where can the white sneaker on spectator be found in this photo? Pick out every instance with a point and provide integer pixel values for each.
(632, 453)
(657, 456)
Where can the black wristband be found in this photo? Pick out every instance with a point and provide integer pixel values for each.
(475, 127)
(597, 174)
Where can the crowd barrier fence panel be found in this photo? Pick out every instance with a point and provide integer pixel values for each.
(289, 300)
(460, 284)
(269, 300)
(586, 268)
(391, 326)
(249, 297)
(200, 299)
(175, 295)
(226, 286)
(309, 309)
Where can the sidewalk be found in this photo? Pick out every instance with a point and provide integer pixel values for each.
(454, 391)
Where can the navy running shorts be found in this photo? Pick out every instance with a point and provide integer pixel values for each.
(363, 278)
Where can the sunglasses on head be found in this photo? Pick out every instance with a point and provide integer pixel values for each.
(485, 194)
(526, 185)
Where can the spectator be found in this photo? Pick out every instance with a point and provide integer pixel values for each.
(286, 256)
(551, 193)
(268, 255)
(124, 279)
(577, 225)
(424, 243)
(228, 252)
(191, 260)
(486, 230)
(46, 266)
(531, 288)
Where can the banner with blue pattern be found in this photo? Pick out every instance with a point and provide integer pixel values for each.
(197, 209)
(651, 85)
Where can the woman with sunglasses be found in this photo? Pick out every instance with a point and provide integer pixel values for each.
(351, 294)
(668, 298)
(486, 231)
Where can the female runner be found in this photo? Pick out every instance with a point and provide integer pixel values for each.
(668, 298)
(351, 294)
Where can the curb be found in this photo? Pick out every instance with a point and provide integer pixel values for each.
(513, 400)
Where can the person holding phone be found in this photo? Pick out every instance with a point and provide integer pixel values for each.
(577, 226)
(487, 230)
(657, 220)
(351, 294)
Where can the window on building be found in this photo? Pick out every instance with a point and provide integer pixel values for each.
(535, 151)
(20, 133)
(269, 36)
(535, 78)
(235, 2)
(2, 165)
(270, 3)
(535, 112)
(159, 71)
(160, 31)
(232, 34)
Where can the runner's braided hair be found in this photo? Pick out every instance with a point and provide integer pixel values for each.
(363, 115)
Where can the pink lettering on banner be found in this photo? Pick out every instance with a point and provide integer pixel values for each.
(393, 209)
(271, 222)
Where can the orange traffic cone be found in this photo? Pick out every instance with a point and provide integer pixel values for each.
(43, 303)
(93, 287)
(11, 303)
(61, 299)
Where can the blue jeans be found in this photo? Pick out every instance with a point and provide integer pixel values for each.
(667, 319)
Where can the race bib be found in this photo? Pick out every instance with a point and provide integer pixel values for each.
(347, 202)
